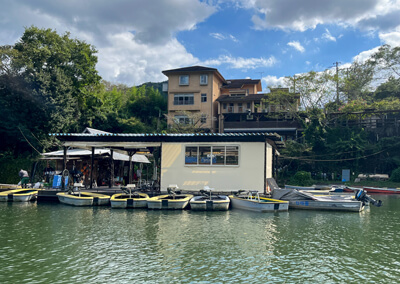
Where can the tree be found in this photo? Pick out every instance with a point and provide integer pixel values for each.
(45, 76)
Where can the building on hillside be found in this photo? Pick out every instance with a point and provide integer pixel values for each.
(255, 113)
(221, 105)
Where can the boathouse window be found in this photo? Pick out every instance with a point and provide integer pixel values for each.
(191, 156)
(212, 155)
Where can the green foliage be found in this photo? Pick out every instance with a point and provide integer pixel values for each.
(302, 178)
(10, 167)
(395, 176)
(390, 88)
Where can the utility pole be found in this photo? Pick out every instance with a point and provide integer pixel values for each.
(337, 81)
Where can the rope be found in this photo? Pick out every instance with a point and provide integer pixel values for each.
(28, 141)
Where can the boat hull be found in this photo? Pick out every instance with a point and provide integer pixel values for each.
(83, 199)
(332, 205)
(382, 190)
(264, 205)
(122, 200)
(19, 195)
(166, 202)
(200, 203)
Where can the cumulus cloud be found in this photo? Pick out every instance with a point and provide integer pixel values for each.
(274, 82)
(296, 45)
(391, 38)
(135, 39)
(307, 14)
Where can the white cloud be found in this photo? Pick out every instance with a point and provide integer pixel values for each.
(307, 14)
(220, 36)
(327, 35)
(273, 81)
(135, 39)
(130, 62)
(296, 45)
(217, 36)
(391, 38)
(242, 63)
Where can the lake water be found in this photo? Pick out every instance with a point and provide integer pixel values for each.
(55, 243)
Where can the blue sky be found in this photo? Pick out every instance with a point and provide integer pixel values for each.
(137, 39)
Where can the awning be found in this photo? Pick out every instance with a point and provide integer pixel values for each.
(137, 158)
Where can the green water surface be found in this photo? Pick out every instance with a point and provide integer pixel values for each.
(55, 243)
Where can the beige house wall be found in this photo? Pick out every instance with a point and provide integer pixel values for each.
(249, 174)
(208, 108)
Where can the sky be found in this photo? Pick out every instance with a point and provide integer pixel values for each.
(258, 39)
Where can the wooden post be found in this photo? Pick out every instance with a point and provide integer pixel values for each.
(111, 183)
(64, 167)
(91, 169)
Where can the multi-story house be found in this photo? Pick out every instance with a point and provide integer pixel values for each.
(223, 105)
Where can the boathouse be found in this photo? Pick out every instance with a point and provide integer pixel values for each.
(223, 161)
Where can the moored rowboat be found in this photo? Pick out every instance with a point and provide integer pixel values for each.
(19, 195)
(253, 202)
(383, 190)
(213, 203)
(83, 198)
(133, 200)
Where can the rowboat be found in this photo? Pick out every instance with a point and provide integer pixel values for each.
(383, 190)
(172, 200)
(253, 202)
(304, 200)
(129, 199)
(209, 202)
(83, 198)
(19, 195)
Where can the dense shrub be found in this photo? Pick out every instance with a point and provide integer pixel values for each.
(10, 167)
(395, 175)
(302, 178)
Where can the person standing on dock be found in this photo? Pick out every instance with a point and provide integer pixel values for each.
(47, 172)
(24, 177)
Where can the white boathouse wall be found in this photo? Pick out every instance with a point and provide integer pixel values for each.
(249, 174)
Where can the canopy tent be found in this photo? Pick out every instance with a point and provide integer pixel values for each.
(136, 158)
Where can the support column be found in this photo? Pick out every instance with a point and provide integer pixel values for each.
(91, 169)
(64, 168)
(130, 153)
(111, 182)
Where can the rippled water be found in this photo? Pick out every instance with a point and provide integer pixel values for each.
(54, 243)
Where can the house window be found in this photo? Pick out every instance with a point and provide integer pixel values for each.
(248, 105)
(183, 99)
(230, 108)
(224, 106)
(204, 79)
(240, 107)
(203, 98)
(184, 80)
(183, 119)
(203, 118)
(212, 155)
